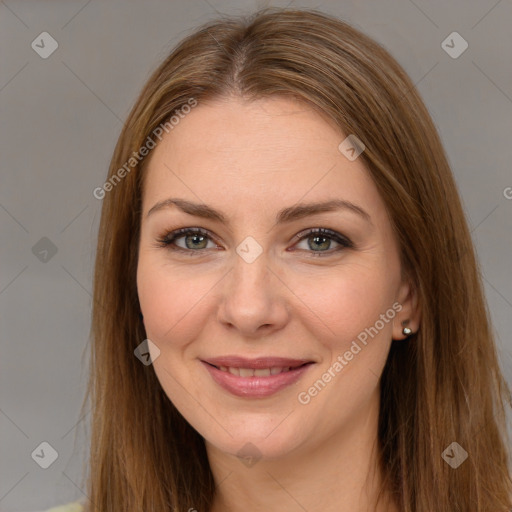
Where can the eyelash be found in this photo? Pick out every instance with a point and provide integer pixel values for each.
(167, 241)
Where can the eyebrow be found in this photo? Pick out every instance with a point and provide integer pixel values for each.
(285, 215)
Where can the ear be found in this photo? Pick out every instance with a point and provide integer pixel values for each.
(410, 313)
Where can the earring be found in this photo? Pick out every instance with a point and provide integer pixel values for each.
(406, 331)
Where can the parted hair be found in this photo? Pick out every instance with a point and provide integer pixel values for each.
(442, 385)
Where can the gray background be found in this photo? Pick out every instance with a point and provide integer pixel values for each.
(61, 117)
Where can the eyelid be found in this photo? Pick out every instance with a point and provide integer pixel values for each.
(324, 231)
(167, 240)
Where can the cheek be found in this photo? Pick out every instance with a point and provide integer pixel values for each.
(170, 301)
(343, 302)
(355, 307)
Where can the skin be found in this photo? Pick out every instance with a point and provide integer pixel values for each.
(250, 160)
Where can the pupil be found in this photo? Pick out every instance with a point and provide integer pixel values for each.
(318, 240)
(195, 237)
(325, 239)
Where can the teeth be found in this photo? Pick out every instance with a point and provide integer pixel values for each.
(251, 372)
(263, 372)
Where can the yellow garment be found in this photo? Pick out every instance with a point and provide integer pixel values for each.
(68, 507)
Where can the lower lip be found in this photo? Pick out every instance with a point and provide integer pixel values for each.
(255, 387)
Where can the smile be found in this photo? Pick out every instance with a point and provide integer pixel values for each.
(257, 381)
(252, 372)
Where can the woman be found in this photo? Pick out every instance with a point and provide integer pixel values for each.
(282, 238)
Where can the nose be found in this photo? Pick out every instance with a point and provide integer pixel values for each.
(253, 298)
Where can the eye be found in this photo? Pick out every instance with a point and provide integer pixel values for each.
(193, 240)
(319, 240)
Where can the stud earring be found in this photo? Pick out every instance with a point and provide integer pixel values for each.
(406, 331)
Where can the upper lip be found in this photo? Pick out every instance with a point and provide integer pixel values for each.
(259, 362)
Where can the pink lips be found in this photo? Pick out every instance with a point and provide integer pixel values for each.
(255, 386)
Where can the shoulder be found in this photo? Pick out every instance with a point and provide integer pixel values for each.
(68, 507)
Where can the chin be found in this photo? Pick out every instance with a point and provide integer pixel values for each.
(258, 441)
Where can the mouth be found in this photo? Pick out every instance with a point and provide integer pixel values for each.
(257, 378)
(257, 372)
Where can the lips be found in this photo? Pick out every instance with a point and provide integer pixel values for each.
(258, 363)
(255, 378)
(251, 372)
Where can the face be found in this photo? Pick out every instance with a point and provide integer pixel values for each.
(253, 274)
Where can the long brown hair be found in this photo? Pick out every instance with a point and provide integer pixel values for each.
(443, 385)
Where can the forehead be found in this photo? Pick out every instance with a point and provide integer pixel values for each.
(232, 126)
(253, 155)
